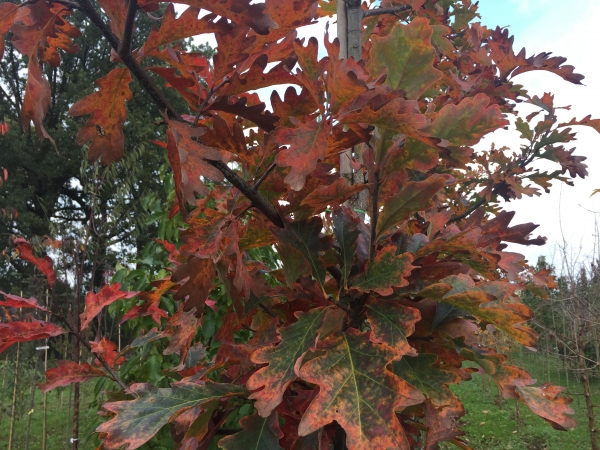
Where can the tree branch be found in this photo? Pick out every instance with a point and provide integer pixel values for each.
(374, 213)
(125, 47)
(257, 200)
(391, 10)
(161, 101)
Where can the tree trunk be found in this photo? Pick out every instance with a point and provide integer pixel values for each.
(13, 411)
(587, 394)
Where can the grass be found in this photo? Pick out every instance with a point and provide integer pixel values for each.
(489, 423)
(58, 420)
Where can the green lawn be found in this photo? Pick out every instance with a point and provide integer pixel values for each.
(489, 424)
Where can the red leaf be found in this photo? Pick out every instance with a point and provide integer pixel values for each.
(238, 11)
(4, 125)
(116, 10)
(8, 12)
(199, 273)
(13, 332)
(68, 372)
(14, 301)
(332, 195)
(107, 350)
(44, 264)
(36, 100)
(307, 145)
(95, 302)
(108, 113)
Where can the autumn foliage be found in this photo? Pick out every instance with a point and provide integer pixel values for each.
(355, 337)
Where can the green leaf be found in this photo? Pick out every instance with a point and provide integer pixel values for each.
(391, 322)
(407, 55)
(304, 236)
(137, 420)
(358, 392)
(432, 380)
(467, 122)
(345, 228)
(258, 434)
(284, 359)
(294, 263)
(385, 272)
(414, 196)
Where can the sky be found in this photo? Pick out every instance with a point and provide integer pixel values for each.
(566, 29)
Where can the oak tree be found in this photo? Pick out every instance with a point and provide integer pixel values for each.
(352, 338)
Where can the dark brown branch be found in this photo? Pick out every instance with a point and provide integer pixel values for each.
(257, 200)
(476, 205)
(66, 3)
(125, 47)
(391, 10)
(207, 99)
(262, 178)
(374, 213)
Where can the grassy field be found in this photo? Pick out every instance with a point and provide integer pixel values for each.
(489, 423)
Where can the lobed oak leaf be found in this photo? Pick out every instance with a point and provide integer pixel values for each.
(586, 121)
(546, 402)
(238, 11)
(307, 146)
(95, 302)
(285, 359)
(186, 25)
(511, 65)
(487, 301)
(68, 372)
(8, 12)
(332, 195)
(385, 272)
(305, 237)
(391, 323)
(181, 329)
(44, 264)
(425, 373)
(467, 122)
(443, 424)
(258, 433)
(14, 301)
(294, 265)
(107, 350)
(13, 332)
(358, 392)
(149, 309)
(346, 225)
(36, 100)
(257, 78)
(197, 275)
(116, 10)
(136, 421)
(108, 113)
(292, 105)
(407, 56)
(414, 196)
(254, 113)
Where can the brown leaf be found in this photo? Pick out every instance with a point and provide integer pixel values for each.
(95, 302)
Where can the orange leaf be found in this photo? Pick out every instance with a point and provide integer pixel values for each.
(95, 302)
(44, 264)
(107, 107)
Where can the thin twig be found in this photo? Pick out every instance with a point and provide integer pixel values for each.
(207, 99)
(262, 178)
(391, 10)
(374, 214)
(125, 47)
